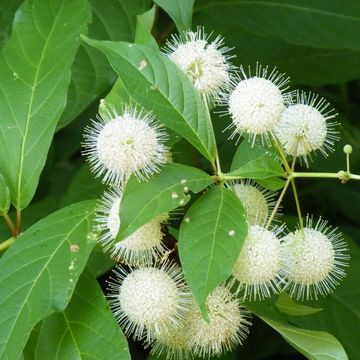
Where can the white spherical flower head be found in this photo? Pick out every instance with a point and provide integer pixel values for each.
(118, 146)
(314, 261)
(258, 267)
(227, 326)
(258, 202)
(142, 247)
(149, 301)
(255, 103)
(205, 63)
(304, 126)
(173, 345)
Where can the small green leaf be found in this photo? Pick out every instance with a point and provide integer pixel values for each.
(34, 76)
(86, 329)
(180, 11)
(4, 196)
(159, 85)
(210, 239)
(162, 193)
(261, 168)
(288, 306)
(40, 271)
(315, 345)
(255, 162)
(144, 24)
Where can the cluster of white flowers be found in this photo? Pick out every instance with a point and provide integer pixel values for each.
(150, 297)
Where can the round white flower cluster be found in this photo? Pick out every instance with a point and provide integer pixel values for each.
(149, 297)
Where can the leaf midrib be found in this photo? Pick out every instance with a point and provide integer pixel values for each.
(28, 116)
(44, 268)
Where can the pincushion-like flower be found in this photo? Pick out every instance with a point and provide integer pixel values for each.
(149, 301)
(315, 260)
(227, 326)
(255, 103)
(257, 201)
(142, 247)
(174, 345)
(304, 126)
(258, 267)
(118, 146)
(205, 62)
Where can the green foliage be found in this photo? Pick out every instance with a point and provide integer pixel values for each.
(210, 239)
(85, 329)
(157, 84)
(57, 59)
(35, 68)
(164, 192)
(52, 255)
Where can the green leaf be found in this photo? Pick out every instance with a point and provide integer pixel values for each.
(180, 11)
(288, 306)
(99, 262)
(315, 345)
(144, 24)
(323, 24)
(86, 329)
(162, 193)
(34, 77)
(91, 74)
(40, 271)
(156, 83)
(261, 168)
(272, 183)
(4, 196)
(210, 240)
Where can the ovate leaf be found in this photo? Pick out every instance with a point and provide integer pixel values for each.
(288, 306)
(180, 11)
(315, 345)
(322, 23)
(164, 192)
(156, 83)
(34, 77)
(40, 271)
(210, 239)
(86, 329)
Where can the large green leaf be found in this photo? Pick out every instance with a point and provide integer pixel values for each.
(321, 23)
(40, 271)
(315, 345)
(304, 64)
(86, 329)
(210, 239)
(164, 192)
(180, 11)
(34, 77)
(156, 83)
(91, 74)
